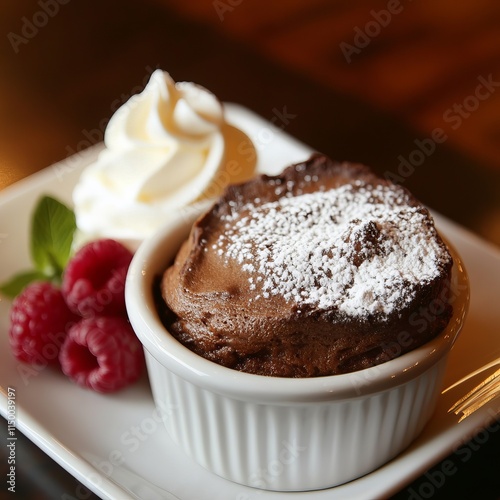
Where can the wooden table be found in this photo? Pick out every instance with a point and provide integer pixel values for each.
(409, 88)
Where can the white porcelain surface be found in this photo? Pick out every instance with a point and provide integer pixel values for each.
(279, 433)
(84, 431)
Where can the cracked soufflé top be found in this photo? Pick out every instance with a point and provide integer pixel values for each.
(323, 269)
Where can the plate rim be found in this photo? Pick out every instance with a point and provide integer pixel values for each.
(79, 467)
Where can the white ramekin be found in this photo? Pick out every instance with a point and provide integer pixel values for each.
(280, 433)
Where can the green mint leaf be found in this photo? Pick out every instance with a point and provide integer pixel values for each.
(52, 229)
(16, 284)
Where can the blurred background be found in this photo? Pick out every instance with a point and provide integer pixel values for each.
(411, 88)
(366, 81)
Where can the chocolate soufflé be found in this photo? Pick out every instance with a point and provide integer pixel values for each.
(324, 269)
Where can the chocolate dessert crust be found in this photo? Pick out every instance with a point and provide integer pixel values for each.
(306, 274)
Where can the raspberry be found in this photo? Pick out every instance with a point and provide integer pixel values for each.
(39, 320)
(94, 279)
(102, 353)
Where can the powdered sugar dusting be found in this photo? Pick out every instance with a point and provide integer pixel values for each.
(359, 249)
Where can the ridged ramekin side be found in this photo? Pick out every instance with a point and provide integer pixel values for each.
(297, 446)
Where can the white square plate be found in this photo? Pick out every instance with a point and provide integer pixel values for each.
(86, 432)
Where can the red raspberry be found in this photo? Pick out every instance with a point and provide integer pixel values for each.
(94, 279)
(102, 353)
(39, 320)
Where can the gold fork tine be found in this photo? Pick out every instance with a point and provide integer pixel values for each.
(471, 409)
(484, 392)
(473, 374)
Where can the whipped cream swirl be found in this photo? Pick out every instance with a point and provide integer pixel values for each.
(165, 148)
